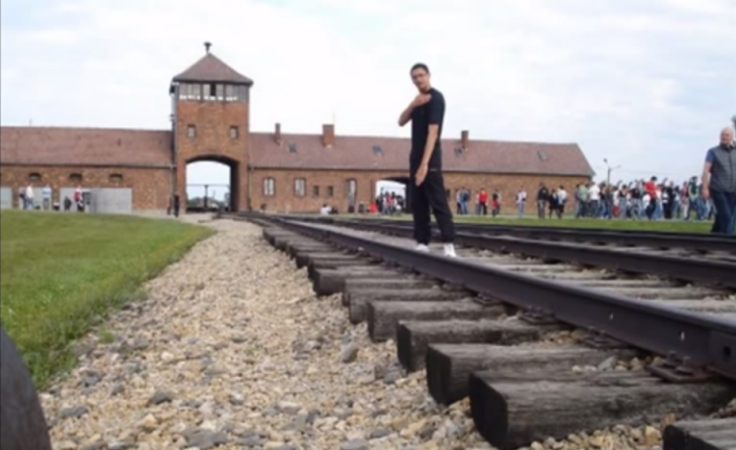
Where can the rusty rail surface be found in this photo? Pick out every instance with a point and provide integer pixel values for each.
(693, 342)
(22, 421)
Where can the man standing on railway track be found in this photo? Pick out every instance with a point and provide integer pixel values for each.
(427, 188)
(719, 182)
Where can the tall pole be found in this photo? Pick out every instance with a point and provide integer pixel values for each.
(609, 171)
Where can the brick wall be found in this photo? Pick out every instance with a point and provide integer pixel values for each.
(284, 198)
(213, 141)
(150, 186)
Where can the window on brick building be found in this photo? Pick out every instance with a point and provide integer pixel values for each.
(300, 187)
(330, 191)
(269, 187)
(191, 131)
(315, 191)
(352, 191)
(234, 132)
(231, 93)
(242, 93)
(75, 177)
(211, 91)
(116, 178)
(220, 92)
(34, 176)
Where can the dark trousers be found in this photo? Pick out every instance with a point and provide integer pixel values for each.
(430, 195)
(725, 204)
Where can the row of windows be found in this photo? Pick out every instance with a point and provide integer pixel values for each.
(74, 177)
(300, 188)
(213, 92)
(192, 131)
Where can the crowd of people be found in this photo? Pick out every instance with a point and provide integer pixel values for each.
(638, 199)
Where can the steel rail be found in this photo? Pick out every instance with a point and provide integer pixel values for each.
(708, 272)
(701, 242)
(493, 225)
(703, 341)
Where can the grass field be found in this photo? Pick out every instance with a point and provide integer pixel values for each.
(61, 272)
(615, 224)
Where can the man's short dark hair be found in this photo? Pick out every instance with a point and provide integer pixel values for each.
(419, 66)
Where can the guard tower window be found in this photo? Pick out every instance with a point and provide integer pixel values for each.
(234, 133)
(195, 91)
(230, 94)
(191, 131)
(212, 91)
(242, 93)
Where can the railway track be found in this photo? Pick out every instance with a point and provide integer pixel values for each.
(702, 266)
(541, 350)
(720, 247)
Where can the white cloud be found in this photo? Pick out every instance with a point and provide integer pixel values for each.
(645, 84)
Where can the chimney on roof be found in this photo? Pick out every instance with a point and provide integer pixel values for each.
(207, 46)
(465, 139)
(277, 134)
(328, 135)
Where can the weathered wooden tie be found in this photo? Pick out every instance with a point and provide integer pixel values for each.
(449, 366)
(413, 338)
(384, 317)
(706, 434)
(358, 299)
(510, 412)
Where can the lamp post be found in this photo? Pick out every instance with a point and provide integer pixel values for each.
(610, 169)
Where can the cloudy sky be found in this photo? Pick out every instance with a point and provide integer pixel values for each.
(647, 84)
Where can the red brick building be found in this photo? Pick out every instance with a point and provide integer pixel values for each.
(286, 172)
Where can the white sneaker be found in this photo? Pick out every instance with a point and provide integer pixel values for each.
(450, 251)
(422, 248)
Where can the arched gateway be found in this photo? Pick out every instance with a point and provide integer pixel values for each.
(210, 121)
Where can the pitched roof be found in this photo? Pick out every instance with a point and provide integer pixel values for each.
(84, 146)
(98, 146)
(382, 153)
(210, 68)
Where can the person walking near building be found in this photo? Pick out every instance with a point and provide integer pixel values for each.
(29, 197)
(46, 194)
(521, 202)
(426, 113)
(542, 199)
(719, 182)
(483, 202)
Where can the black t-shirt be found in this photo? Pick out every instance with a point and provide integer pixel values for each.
(431, 113)
(542, 194)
